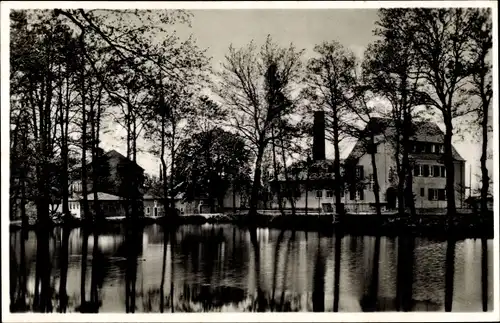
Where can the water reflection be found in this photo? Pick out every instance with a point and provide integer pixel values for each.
(226, 268)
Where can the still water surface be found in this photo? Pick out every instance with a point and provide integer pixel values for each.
(220, 268)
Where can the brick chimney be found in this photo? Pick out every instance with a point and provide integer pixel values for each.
(319, 136)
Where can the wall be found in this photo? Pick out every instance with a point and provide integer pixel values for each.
(152, 204)
(384, 161)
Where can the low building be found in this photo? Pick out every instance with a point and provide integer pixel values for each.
(153, 205)
(120, 182)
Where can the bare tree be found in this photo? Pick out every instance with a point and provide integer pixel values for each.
(481, 81)
(330, 83)
(395, 73)
(240, 87)
(441, 40)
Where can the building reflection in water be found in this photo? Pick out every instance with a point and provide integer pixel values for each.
(226, 268)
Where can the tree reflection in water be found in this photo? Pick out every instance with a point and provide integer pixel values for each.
(450, 272)
(405, 267)
(275, 267)
(18, 284)
(318, 293)
(221, 269)
(85, 244)
(260, 304)
(163, 271)
(43, 290)
(64, 259)
(484, 273)
(133, 243)
(369, 302)
(336, 287)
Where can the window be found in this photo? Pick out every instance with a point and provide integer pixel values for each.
(437, 194)
(433, 148)
(443, 171)
(419, 147)
(441, 195)
(432, 194)
(148, 210)
(441, 149)
(428, 147)
(431, 171)
(319, 193)
(359, 172)
(422, 191)
(359, 195)
(426, 170)
(329, 193)
(436, 170)
(417, 170)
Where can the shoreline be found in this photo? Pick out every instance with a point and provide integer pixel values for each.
(430, 226)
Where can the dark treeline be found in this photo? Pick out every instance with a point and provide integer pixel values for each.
(75, 71)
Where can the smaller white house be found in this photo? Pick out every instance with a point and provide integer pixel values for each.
(73, 205)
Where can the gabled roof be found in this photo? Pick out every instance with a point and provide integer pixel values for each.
(114, 153)
(154, 197)
(110, 154)
(424, 131)
(301, 173)
(103, 197)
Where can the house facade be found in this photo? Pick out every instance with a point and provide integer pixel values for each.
(313, 188)
(426, 160)
(120, 181)
(153, 205)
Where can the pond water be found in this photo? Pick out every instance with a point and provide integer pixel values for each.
(221, 268)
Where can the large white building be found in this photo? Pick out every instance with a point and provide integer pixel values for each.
(429, 180)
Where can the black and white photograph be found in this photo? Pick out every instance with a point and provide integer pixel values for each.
(254, 158)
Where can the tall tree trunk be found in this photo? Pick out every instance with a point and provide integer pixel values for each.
(407, 169)
(64, 139)
(172, 172)
(95, 163)
(290, 190)
(376, 187)
(64, 153)
(450, 169)
(485, 179)
(306, 186)
(86, 210)
(339, 208)
(254, 196)
(276, 178)
(401, 175)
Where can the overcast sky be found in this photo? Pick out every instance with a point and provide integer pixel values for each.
(215, 30)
